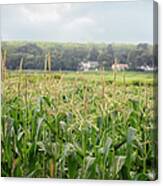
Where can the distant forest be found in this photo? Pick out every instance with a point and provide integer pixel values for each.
(68, 56)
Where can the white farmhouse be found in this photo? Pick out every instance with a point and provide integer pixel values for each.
(89, 65)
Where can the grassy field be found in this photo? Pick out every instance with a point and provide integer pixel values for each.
(99, 125)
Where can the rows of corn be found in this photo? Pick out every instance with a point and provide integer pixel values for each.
(59, 127)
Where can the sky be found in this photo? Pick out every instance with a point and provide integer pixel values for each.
(116, 22)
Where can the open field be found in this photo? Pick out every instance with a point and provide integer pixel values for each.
(99, 125)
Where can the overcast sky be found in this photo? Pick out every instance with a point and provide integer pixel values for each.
(129, 22)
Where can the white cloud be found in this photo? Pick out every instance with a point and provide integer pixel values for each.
(45, 12)
(79, 23)
(84, 22)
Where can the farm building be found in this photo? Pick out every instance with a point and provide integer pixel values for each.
(119, 67)
(146, 68)
(89, 65)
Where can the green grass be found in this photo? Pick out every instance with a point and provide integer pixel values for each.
(79, 125)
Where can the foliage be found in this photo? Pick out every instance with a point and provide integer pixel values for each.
(68, 56)
(68, 125)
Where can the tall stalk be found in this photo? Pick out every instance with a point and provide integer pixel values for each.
(21, 65)
(103, 86)
(49, 61)
(45, 64)
(3, 64)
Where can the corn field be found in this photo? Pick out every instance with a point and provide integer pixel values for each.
(74, 125)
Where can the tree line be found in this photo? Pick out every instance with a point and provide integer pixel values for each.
(68, 56)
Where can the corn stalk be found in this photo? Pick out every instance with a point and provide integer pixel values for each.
(49, 62)
(3, 64)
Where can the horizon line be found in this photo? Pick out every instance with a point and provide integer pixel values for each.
(79, 42)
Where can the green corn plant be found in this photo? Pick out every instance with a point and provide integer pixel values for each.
(64, 128)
